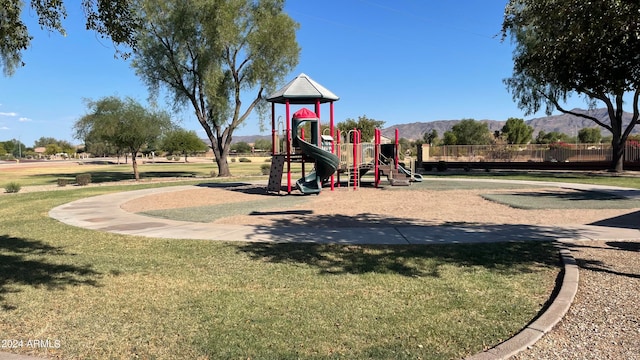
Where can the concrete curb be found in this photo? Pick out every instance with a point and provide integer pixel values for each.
(543, 323)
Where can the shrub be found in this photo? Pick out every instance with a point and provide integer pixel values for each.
(267, 160)
(213, 173)
(83, 179)
(12, 187)
(63, 182)
(265, 168)
(176, 158)
(243, 159)
(233, 159)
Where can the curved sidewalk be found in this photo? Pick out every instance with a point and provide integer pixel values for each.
(104, 213)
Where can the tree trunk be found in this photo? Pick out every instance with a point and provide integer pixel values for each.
(136, 174)
(617, 160)
(223, 166)
(221, 152)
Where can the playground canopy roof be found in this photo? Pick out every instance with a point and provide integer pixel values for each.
(302, 90)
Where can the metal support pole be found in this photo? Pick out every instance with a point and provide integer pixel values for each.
(397, 158)
(288, 120)
(273, 128)
(331, 133)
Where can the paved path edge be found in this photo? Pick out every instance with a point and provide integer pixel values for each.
(545, 322)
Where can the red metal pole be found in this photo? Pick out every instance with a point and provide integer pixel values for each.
(302, 137)
(356, 174)
(273, 128)
(376, 156)
(288, 148)
(397, 148)
(355, 159)
(318, 124)
(331, 133)
(338, 149)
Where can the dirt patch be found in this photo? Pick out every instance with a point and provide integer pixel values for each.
(368, 206)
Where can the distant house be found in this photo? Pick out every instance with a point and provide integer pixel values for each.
(40, 151)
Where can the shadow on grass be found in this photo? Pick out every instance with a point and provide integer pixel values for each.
(29, 262)
(320, 242)
(407, 260)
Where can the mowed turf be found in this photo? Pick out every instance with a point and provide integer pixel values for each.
(563, 199)
(111, 296)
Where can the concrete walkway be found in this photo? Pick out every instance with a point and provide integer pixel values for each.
(103, 213)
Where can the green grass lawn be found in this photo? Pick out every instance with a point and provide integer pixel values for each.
(105, 295)
(608, 179)
(107, 172)
(563, 199)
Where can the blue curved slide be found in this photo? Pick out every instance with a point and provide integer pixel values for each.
(326, 164)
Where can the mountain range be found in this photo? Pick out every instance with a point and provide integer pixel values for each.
(564, 123)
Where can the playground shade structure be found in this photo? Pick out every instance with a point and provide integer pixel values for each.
(326, 165)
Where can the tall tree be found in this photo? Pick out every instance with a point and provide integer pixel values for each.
(262, 144)
(44, 141)
(366, 126)
(551, 137)
(183, 141)
(449, 138)
(241, 147)
(468, 132)
(60, 145)
(208, 54)
(589, 48)
(112, 19)
(124, 123)
(589, 135)
(516, 131)
(430, 137)
(14, 147)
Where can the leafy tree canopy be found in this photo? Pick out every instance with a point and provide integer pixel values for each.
(241, 147)
(366, 126)
(113, 19)
(262, 144)
(182, 141)
(430, 137)
(61, 146)
(14, 147)
(589, 135)
(468, 132)
(566, 47)
(516, 131)
(124, 123)
(551, 137)
(211, 55)
(449, 138)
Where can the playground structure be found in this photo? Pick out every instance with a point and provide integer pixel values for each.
(332, 159)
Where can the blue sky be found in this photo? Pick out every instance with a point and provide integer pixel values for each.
(402, 61)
